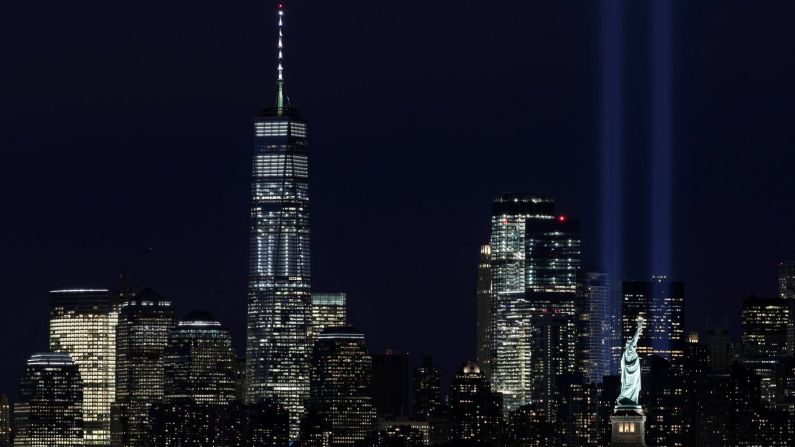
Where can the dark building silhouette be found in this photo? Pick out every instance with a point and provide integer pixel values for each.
(144, 326)
(391, 384)
(5, 421)
(718, 343)
(340, 410)
(764, 323)
(184, 422)
(475, 411)
(279, 299)
(576, 411)
(529, 427)
(661, 303)
(49, 411)
(427, 390)
(199, 361)
(663, 399)
(554, 347)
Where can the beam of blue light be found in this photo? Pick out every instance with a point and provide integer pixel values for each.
(661, 138)
(611, 138)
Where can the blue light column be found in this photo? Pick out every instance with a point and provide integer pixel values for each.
(661, 138)
(612, 137)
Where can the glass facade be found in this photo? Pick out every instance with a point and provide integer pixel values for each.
(279, 299)
(341, 410)
(50, 407)
(511, 369)
(200, 361)
(81, 325)
(599, 329)
(144, 325)
(328, 310)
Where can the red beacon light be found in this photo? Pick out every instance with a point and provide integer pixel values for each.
(561, 218)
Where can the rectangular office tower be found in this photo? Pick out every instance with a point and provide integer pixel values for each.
(553, 252)
(661, 302)
(81, 325)
(328, 310)
(511, 314)
(277, 347)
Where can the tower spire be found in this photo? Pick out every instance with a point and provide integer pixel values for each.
(280, 95)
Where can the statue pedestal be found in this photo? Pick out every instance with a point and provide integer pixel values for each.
(628, 423)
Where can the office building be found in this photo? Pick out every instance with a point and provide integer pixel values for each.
(661, 303)
(510, 311)
(596, 331)
(483, 309)
(279, 299)
(391, 384)
(50, 407)
(475, 411)
(554, 343)
(81, 325)
(199, 361)
(552, 257)
(764, 324)
(427, 390)
(328, 310)
(144, 326)
(340, 409)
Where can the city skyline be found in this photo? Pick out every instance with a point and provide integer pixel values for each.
(150, 257)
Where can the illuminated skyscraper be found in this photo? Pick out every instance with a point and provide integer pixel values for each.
(483, 309)
(511, 312)
(599, 331)
(81, 326)
(145, 323)
(328, 310)
(661, 302)
(277, 347)
(552, 264)
(199, 361)
(50, 407)
(340, 409)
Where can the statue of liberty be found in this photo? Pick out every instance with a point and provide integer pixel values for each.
(630, 371)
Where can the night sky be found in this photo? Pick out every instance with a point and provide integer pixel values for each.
(126, 136)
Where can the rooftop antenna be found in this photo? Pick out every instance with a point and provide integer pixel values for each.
(280, 95)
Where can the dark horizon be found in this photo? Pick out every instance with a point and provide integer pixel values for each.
(127, 134)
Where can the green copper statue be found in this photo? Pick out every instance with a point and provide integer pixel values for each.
(630, 372)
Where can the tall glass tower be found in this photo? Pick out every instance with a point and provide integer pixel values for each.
(81, 326)
(511, 312)
(277, 350)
